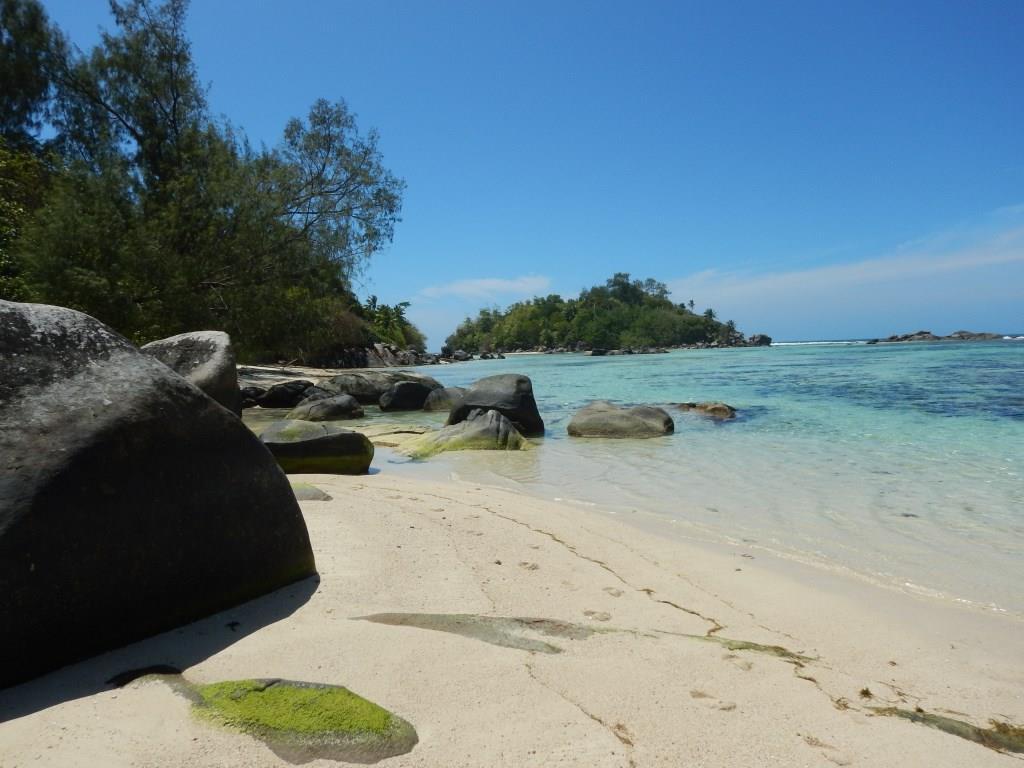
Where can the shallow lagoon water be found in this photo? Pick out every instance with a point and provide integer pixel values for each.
(901, 463)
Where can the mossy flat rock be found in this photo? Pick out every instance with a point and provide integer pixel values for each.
(318, 447)
(481, 431)
(303, 721)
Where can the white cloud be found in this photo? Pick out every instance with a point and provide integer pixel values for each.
(490, 287)
(931, 280)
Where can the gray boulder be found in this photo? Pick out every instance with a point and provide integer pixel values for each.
(333, 408)
(461, 355)
(368, 386)
(405, 396)
(511, 394)
(207, 359)
(443, 399)
(604, 419)
(719, 411)
(760, 340)
(287, 394)
(308, 447)
(479, 431)
(130, 501)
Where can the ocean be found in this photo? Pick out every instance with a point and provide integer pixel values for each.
(902, 464)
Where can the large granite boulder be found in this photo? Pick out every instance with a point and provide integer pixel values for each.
(604, 419)
(511, 394)
(287, 394)
(443, 399)
(713, 410)
(405, 396)
(760, 340)
(130, 501)
(480, 431)
(368, 386)
(207, 359)
(334, 408)
(308, 447)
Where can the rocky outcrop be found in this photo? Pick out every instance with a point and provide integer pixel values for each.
(207, 359)
(310, 447)
(130, 502)
(480, 431)
(405, 396)
(332, 408)
(461, 356)
(443, 399)
(368, 386)
(604, 419)
(760, 340)
(719, 411)
(287, 394)
(511, 394)
(955, 336)
(916, 336)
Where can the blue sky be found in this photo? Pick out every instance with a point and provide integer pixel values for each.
(809, 169)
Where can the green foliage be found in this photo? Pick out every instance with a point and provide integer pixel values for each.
(622, 313)
(159, 219)
(389, 323)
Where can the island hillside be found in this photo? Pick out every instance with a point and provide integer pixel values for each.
(621, 314)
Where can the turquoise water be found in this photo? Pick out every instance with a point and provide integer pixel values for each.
(900, 463)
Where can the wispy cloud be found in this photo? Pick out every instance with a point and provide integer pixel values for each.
(489, 287)
(931, 280)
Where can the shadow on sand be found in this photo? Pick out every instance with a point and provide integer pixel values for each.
(179, 648)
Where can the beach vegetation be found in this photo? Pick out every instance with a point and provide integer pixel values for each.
(122, 196)
(624, 313)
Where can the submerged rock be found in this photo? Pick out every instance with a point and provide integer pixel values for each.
(510, 394)
(443, 399)
(604, 419)
(130, 502)
(311, 447)
(205, 358)
(719, 411)
(480, 431)
(330, 408)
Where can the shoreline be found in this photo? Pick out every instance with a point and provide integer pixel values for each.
(685, 654)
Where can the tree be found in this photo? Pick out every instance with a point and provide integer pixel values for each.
(163, 220)
(27, 43)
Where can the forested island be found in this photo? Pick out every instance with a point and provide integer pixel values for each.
(623, 313)
(123, 196)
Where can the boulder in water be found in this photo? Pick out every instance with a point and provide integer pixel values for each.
(405, 396)
(443, 399)
(511, 394)
(479, 431)
(333, 408)
(604, 419)
(368, 386)
(311, 447)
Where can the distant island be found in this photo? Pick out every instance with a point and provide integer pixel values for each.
(622, 315)
(929, 336)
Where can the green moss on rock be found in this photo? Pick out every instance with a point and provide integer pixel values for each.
(304, 721)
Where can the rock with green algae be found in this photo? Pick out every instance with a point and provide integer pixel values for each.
(481, 431)
(308, 492)
(317, 447)
(303, 721)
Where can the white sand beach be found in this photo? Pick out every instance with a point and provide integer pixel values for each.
(646, 659)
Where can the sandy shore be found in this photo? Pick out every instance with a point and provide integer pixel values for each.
(660, 653)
